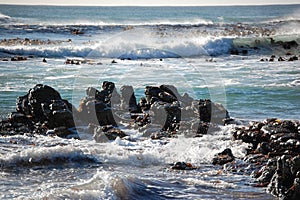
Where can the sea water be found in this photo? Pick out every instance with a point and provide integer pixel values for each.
(188, 47)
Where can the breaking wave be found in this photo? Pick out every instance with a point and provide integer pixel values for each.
(127, 47)
(2, 16)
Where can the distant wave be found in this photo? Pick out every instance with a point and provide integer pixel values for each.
(285, 19)
(2, 16)
(133, 45)
(127, 48)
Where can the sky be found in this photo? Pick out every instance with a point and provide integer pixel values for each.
(147, 2)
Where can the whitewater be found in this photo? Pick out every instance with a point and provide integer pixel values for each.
(207, 52)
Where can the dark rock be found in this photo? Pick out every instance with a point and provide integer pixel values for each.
(163, 93)
(19, 58)
(293, 58)
(40, 94)
(42, 108)
(244, 51)
(182, 166)
(77, 32)
(143, 104)
(275, 148)
(224, 157)
(166, 114)
(212, 112)
(234, 52)
(63, 132)
(96, 107)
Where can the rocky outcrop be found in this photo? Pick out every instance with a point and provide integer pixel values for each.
(42, 109)
(163, 111)
(96, 106)
(274, 155)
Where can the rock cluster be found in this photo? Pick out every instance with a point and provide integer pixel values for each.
(274, 154)
(280, 58)
(164, 106)
(161, 112)
(42, 111)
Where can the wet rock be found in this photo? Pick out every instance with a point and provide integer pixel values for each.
(206, 128)
(285, 44)
(96, 107)
(162, 134)
(183, 166)
(265, 174)
(19, 58)
(41, 109)
(40, 94)
(59, 113)
(222, 158)
(77, 32)
(128, 99)
(107, 133)
(163, 93)
(212, 112)
(73, 61)
(166, 114)
(275, 147)
(63, 132)
(293, 58)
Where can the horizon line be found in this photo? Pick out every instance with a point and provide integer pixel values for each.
(147, 5)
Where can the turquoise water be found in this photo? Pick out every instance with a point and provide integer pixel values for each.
(152, 46)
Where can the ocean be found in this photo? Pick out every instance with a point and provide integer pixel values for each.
(208, 52)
